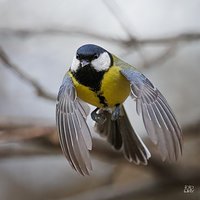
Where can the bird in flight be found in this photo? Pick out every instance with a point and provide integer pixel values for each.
(101, 79)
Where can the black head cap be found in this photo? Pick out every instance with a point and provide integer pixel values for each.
(89, 51)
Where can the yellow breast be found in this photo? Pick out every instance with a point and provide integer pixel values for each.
(115, 88)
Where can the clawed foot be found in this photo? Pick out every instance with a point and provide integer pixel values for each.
(116, 113)
(98, 117)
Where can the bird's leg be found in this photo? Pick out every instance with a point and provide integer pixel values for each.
(116, 113)
(98, 117)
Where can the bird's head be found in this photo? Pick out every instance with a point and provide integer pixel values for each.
(93, 56)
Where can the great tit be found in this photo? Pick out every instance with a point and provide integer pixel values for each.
(103, 80)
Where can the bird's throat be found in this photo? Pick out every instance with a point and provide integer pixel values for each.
(89, 77)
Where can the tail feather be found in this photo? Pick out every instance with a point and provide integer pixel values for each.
(110, 130)
(120, 135)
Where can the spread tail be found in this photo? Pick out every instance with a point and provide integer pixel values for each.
(120, 135)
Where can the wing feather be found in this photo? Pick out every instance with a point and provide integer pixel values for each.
(159, 120)
(73, 131)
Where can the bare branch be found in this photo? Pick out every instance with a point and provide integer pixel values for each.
(129, 43)
(8, 123)
(24, 76)
(56, 31)
(182, 37)
(26, 150)
(19, 134)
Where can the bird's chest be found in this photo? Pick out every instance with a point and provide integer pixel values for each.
(102, 89)
(115, 87)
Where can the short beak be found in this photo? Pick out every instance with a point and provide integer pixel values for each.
(84, 63)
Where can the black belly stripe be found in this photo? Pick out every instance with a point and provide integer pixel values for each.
(91, 78)
(102, 99)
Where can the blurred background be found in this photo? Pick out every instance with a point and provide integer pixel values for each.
(38, 40)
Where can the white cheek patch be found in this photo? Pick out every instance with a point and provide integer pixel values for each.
(75, 64)
(103, 62)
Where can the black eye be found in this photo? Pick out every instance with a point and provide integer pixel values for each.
(95, 56)
(77, 56)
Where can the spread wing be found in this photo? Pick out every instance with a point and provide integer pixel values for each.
(74, 134)
(159, 120)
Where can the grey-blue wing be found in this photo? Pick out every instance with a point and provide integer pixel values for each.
(74, 134)
(159, 120)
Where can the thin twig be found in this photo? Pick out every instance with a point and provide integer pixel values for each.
(56, 31)
(24, 76)
(124, 22)
(115, 10)
(182, 37)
